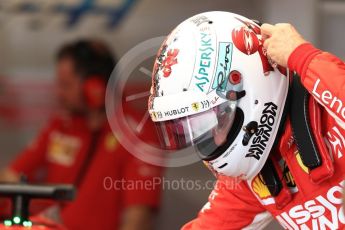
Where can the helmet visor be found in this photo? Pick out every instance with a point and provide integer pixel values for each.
(209, 132)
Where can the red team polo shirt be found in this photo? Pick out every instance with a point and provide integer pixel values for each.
(106, 188)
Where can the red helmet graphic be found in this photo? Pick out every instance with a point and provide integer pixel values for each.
(245, 40)
(245, 37)
(170, 60)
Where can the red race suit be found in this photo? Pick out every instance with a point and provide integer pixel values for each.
(249, 204)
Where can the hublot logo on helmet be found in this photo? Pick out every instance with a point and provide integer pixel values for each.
(264, 131)
(175, 112)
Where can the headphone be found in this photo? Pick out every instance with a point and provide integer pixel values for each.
(94, 88)
(94, 62)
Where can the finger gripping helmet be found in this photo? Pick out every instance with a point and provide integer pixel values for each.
(214, 89)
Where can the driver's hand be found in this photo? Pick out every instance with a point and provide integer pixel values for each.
(280, 41)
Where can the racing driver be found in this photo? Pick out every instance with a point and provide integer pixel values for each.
(263, 108)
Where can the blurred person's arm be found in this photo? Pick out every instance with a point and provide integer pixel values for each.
(142, 201)
(8, 175)
(231, 205)
(26, 163)
(29, 160)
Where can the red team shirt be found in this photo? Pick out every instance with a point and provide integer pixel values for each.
(58, 155)
(249, 205)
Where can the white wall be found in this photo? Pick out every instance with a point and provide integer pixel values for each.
(301, 13)
(332, 27)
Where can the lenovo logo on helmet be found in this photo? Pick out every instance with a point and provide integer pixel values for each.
(263, 134)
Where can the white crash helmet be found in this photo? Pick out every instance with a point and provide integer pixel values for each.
(213, 88)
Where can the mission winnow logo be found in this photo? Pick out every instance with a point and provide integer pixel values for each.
(264, 132)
